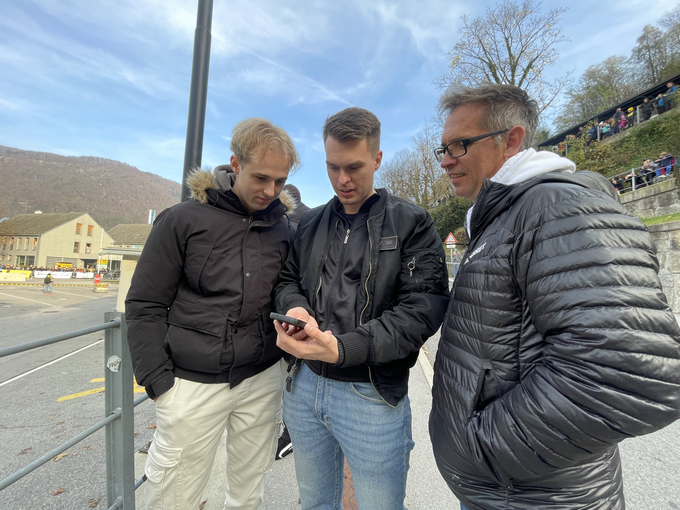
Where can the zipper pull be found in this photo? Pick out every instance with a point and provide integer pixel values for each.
(411, 266)
(291, 371)
(346, 237)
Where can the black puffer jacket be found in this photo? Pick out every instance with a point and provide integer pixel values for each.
(403, 294)
(558, 344)
(198, 307)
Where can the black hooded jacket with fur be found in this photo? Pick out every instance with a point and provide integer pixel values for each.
(198, 307)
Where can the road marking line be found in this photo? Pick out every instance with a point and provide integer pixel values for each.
(50, 363)
(427, 368)
(97, 379)
(11, 295)
(81, 394)
(72, 294)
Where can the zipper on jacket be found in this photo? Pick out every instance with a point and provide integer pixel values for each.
(346, 237)
(370, 376)
(323, 262)
(411, 266)
(368, 277)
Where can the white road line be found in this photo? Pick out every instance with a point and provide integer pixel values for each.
(50, 363)
(17, 297)
(427, 368)
(72, 294)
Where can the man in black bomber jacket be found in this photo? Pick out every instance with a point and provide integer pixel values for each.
(558, 342)
(200, 336)
(367, 269)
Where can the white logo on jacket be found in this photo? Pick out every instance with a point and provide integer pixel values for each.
(475, 253)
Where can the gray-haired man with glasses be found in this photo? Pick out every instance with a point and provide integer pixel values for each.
(558, 342)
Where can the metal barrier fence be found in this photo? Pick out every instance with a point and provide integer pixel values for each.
(119, 412)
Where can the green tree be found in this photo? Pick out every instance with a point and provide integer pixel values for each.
(450, 216)
(513, 43)
(601, 86)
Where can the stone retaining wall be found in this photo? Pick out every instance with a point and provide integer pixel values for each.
(667, 239)
(656, 200)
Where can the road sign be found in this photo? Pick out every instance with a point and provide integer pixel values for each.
(450, 239)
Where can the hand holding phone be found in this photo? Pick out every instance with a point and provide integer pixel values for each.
(288, 320)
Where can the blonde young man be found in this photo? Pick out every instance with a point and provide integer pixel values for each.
(201, 339)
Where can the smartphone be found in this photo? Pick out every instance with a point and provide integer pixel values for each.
(288, 320)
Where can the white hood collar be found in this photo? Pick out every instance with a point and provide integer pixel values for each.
(524, 166)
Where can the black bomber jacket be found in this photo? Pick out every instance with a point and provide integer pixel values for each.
(404, 291)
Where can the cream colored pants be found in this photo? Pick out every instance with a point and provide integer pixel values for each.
(191, 418)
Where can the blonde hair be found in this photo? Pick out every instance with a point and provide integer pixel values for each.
(252, 138)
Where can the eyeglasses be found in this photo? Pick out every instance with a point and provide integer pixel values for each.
(458, 148)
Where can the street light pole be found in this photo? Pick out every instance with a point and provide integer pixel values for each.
(198, 95)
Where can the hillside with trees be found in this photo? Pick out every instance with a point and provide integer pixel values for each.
(110, 191)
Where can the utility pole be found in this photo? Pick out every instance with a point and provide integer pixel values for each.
(193, 150)
(25, 204)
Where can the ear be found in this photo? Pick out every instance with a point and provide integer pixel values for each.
(514, 139)
(378, 160)
(235, 164)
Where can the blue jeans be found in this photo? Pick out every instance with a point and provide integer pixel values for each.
(463, 507)
(329, 420)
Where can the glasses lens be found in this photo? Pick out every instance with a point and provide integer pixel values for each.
(456, 149)
(439, 153)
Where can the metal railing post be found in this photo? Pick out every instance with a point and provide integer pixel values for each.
(120, 462)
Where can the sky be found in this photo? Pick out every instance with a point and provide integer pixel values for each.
(111, 79)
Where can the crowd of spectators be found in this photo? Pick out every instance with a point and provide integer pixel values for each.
(650, 172)
(102, 272)
(646, 110)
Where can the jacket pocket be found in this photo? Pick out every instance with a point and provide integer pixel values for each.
(268, 335)
(194, 260)
(421, 271)
(161, 460)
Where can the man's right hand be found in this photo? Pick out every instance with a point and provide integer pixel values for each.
(303, 315)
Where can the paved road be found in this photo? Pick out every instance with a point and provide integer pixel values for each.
(34, 420)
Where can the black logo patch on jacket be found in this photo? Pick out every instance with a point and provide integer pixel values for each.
(389, 243)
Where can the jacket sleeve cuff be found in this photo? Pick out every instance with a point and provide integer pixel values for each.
(157, 388)
(353, 348)
(296, 301)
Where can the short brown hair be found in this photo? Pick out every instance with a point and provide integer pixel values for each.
(252, 138)
(504, 106)
(354, 124)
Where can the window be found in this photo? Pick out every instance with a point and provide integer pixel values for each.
(79, 228)
(76, 247)
(11, 243)
(35, 243)
(26, 241)
(90, 228)
(4, 243)
(88, 248)
(2, 257)
(9, 258)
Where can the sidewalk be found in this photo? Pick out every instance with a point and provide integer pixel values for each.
(425, 488)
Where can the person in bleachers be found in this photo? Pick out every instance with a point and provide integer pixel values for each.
(616, 118)
(622, 122)
(630, 117)
(648, 171)
(645, 110)
(659, 104)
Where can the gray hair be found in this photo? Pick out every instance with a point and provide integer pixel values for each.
(505, 106)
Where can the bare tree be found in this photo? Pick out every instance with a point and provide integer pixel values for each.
(512, 44)
(650, 55)
(414, 174)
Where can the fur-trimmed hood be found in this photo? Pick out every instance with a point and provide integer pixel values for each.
(223, 178)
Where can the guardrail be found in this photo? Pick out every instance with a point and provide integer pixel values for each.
(119, 412)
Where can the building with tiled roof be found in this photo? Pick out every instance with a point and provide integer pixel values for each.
(45, 239)
(130, 235)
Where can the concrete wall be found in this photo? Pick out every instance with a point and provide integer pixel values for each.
(656, 200)
(667, 239)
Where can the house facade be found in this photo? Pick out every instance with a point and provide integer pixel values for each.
(48, 239)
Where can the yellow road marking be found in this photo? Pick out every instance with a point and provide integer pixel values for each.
(137, 389)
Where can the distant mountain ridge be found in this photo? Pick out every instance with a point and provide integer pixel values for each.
(110, 191)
